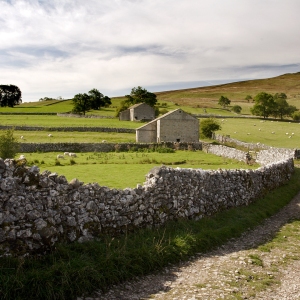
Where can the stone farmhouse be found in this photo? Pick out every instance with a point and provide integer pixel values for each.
(174, 126)
(138, 112)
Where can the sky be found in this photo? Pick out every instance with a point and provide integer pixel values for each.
(60, 48)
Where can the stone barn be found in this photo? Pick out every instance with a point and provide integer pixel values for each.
(138, 112)
(174, 126)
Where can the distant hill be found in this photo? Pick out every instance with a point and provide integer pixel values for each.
(236, 91)
(193, 100)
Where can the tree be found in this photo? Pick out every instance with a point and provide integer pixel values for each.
(10, 95)
(236, 108)
(264, 105)
(282, 108)
(140, 95)
(209, 126)
(82, 103)
(224, 101)
(93, 100)
(9, 146)
(98, 100)
(248, 98)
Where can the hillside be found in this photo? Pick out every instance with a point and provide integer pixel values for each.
(192, 100)
(236, 91)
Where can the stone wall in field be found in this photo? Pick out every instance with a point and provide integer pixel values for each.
(101, 147)
(68, 129)
(37, 210)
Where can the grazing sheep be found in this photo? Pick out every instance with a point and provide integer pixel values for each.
(22, 157)
(21, 137)
(259, 129)
(273, 132)
(104, 141)
(66, 153)
(72, 154)
(60, 156)
(50, 135)
(293, 133)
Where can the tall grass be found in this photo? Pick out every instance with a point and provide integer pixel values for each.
(72, 270)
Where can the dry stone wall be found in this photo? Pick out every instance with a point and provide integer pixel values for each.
(37, 210)
(102, 147)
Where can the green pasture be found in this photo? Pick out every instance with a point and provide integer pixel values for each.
(285, 134)
(55, 121)
(72, 137)
(126, 169)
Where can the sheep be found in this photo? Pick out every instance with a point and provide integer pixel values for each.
(21, 137)
(22, 156)
(66, 153)
(60, 156)
(50, 135)
(104, 141)
(273, 132)
(259, 129)
(72, 154)
(287, 133)
(293, 133)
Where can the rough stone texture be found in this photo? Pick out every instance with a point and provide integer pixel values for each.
(101, 147)
(225, 152)
(39, 209)
(80, 129)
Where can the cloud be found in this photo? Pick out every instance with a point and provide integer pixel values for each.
(62, 47)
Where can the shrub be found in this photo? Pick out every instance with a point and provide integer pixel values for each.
(57, 162)
(236, 108)
(8, 145)
(72, 162)
(296, 116)
(209, 126)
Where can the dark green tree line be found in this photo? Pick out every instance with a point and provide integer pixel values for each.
(10, 95)
(91, 100)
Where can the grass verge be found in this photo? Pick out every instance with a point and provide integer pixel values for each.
(76, 269)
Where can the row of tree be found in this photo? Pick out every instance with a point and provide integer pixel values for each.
(272, 105)
(265, 105)
(92, 100)
(10, 95)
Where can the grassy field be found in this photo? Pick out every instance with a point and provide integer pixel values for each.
(55, 121)
(285, 134)
(121, 170)
(75, 269)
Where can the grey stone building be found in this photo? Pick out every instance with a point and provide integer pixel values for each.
(138, 112)
(174, 126)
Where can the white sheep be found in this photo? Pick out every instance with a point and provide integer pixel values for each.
(60, 156)
(104, 141)
(66, 153)
(50, 135)
(273, 132)
(21, 137)
(22, 156)
(72, 154)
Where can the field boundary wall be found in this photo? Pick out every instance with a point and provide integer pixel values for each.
(38, 210)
